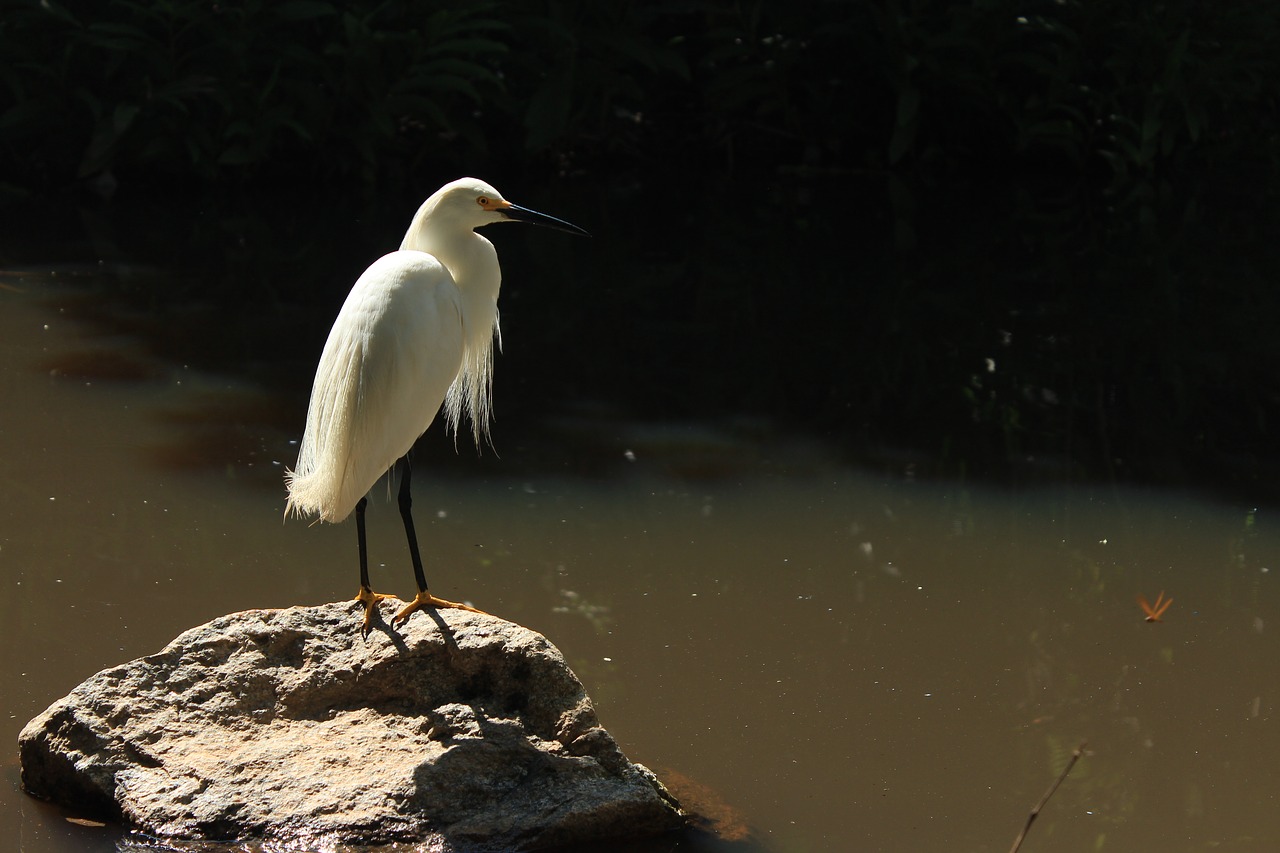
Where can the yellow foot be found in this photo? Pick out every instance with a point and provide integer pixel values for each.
(370, 600)
(426, 599)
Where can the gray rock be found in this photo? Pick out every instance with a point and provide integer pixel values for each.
(457, 729)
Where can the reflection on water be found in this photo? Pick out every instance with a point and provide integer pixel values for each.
(839, 661)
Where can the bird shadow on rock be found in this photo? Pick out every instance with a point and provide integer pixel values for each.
(396, 636)
(450, 642)
(380, 625)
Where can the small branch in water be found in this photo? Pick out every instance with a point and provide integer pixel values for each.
(1035, 812)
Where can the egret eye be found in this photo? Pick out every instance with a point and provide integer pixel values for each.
(483, 201)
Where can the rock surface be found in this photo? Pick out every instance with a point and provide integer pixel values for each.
(457, 729)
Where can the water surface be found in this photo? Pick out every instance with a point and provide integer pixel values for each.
(846, 659)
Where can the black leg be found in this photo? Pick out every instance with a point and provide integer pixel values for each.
(364, 548)
(406, 507)
(367, 596)
(423, 598)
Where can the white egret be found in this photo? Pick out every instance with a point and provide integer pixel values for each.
(416, 331)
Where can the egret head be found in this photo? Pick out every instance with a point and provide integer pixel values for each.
(474, 203)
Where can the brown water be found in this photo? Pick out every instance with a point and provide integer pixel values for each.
(847, 661)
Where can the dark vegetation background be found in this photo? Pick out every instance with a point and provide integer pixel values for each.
(989, 235)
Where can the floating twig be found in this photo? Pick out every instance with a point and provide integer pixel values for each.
(1035, 812)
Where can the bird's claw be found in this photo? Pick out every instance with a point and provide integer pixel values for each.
(426, 599)
(370, 600)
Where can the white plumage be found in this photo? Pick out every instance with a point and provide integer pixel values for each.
(416, 331)
(391, 358)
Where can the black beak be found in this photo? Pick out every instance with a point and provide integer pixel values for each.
(524, 214)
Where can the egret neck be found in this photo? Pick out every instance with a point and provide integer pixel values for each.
(473, 263)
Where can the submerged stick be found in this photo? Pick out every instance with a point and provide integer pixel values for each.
(1035, 811)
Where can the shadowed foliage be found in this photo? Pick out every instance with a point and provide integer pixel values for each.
(991, 232)
(364, 94)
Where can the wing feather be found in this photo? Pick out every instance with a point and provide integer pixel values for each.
(391, 355)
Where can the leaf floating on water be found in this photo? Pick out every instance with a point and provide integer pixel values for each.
(84, 821)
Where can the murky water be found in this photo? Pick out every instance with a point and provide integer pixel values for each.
(845, 661)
